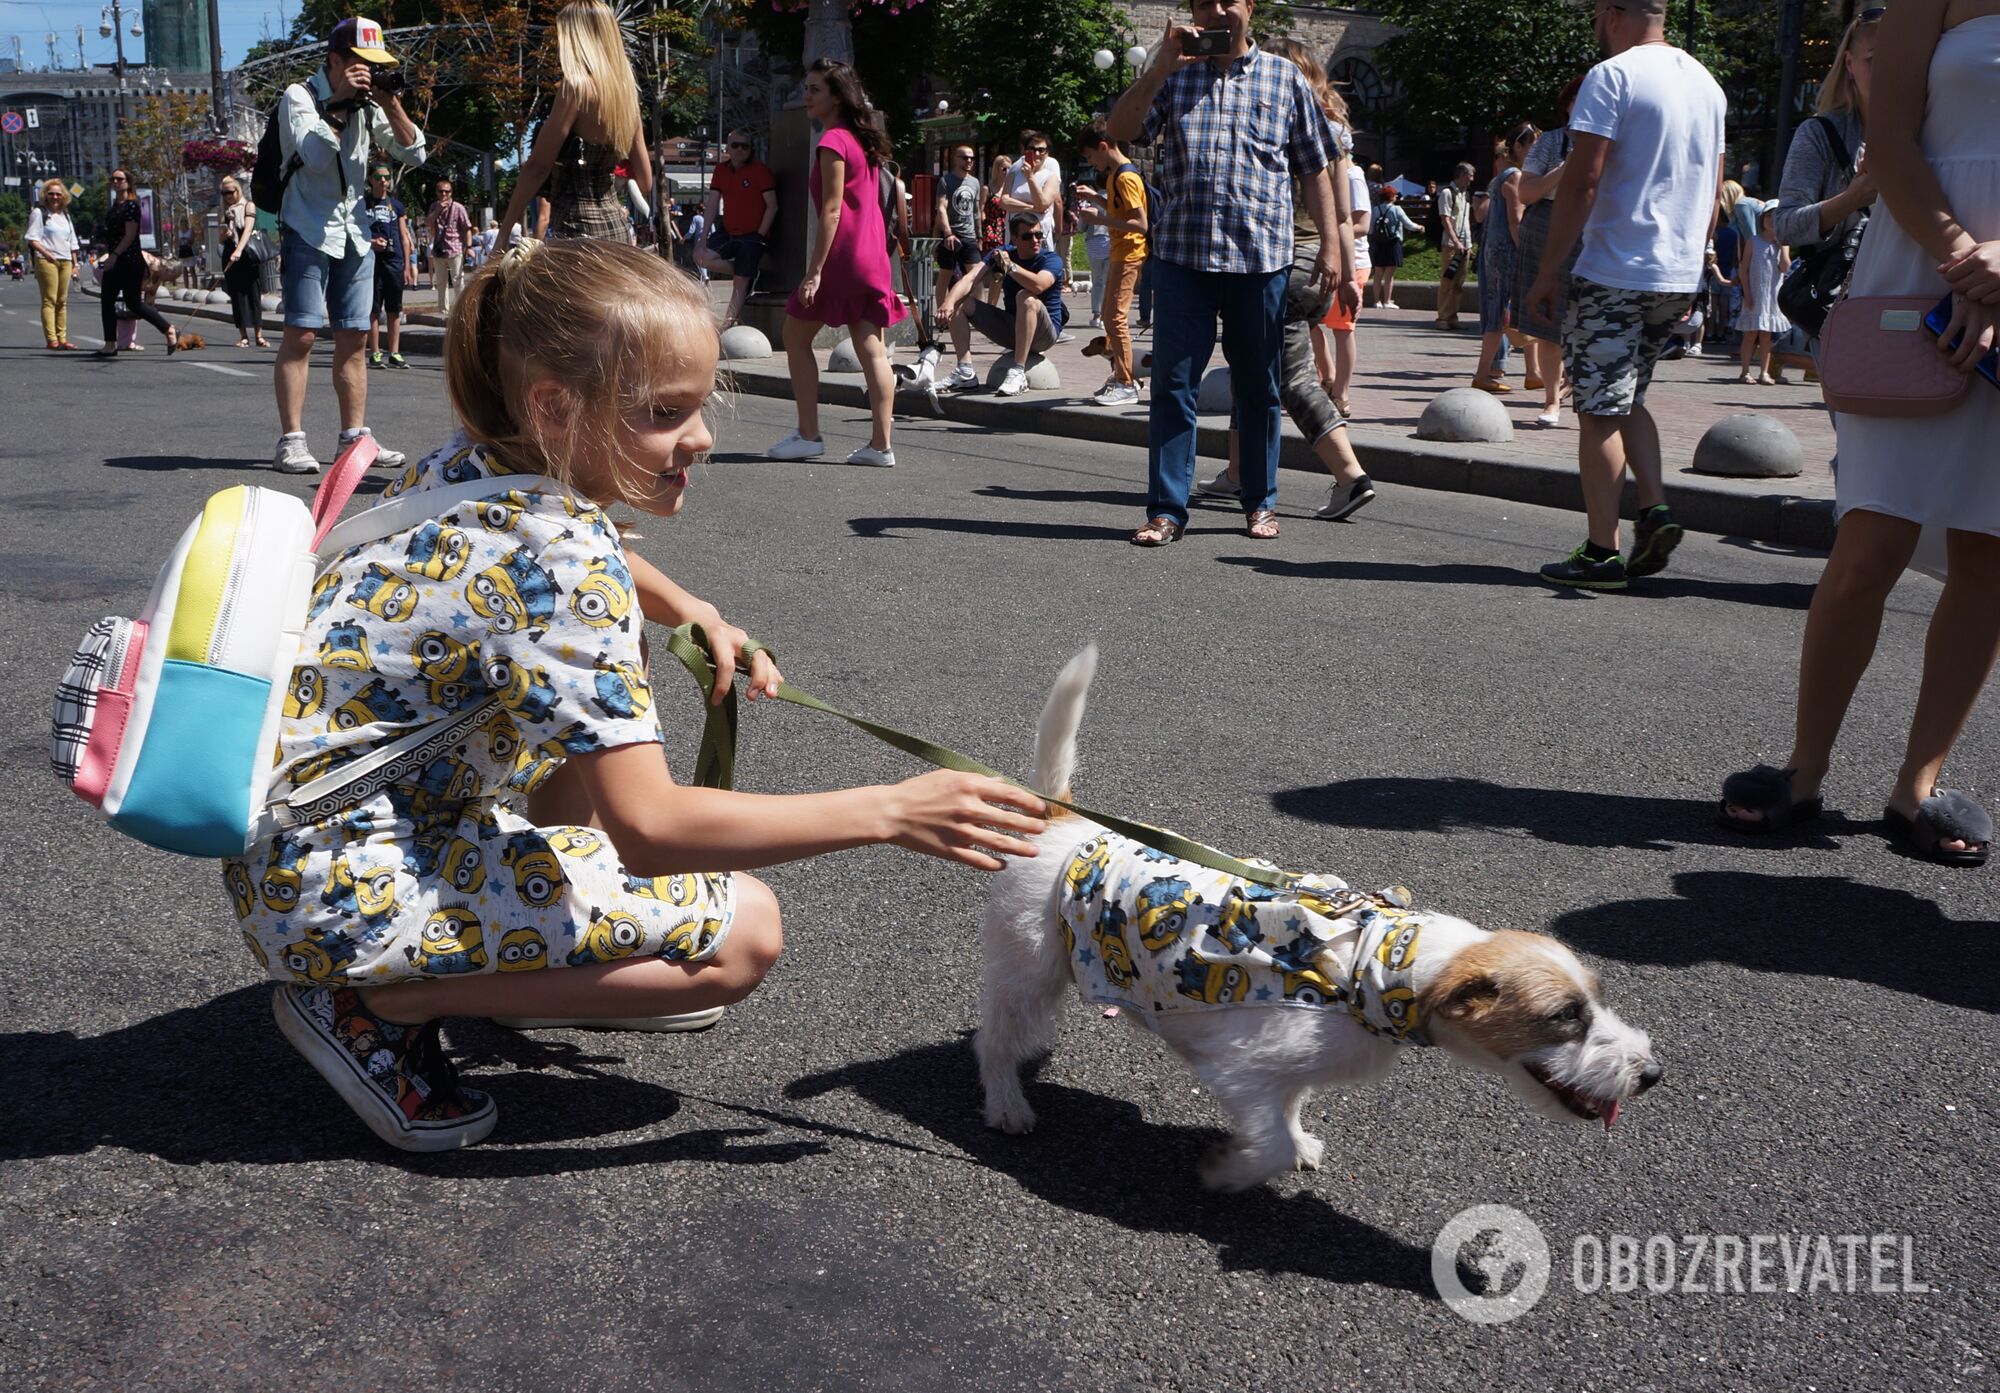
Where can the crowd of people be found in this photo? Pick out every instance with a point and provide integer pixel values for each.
(1598, 247)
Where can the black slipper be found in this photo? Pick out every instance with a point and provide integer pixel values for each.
(1768, 790)
(1946, 815)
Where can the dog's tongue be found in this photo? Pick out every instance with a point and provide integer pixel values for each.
(1610, 1113)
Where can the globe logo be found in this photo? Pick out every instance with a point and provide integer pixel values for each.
(1490, 1263)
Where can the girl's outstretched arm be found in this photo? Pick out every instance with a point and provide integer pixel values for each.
(663, 828)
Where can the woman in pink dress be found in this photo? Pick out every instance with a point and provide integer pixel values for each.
(847, 282)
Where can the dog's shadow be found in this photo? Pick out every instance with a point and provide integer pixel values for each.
(215, 1083)
(1096, 1155)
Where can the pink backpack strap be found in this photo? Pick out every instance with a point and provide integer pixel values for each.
(339, 485)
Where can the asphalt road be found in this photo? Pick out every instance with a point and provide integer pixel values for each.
(804, 1198)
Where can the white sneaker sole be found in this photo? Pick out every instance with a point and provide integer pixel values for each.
(691, 1020)
(789, 456)
(360, 1092)
(294, 467)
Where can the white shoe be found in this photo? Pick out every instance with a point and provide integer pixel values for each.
(962, 376)
(1117, 394)
(1552, 417)
(385, 457)
(1015, 382)
(868, 454)
(1221, 486)
(796, 446)
(691, 1020)
(293, 456)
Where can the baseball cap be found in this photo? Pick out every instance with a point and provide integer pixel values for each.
(362, 38)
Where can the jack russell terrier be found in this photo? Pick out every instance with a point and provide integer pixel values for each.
(1269, 993)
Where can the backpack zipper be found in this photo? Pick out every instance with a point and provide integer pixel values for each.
(246, 532)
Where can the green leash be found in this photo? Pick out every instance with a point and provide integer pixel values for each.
(715, 764)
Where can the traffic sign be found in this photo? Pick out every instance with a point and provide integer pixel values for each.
(12, 123)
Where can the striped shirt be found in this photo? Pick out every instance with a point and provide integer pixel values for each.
(1231, 141)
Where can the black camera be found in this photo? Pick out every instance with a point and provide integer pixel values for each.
(387, 80)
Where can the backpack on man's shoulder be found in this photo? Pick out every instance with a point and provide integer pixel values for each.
(273, 172)
(167, 723)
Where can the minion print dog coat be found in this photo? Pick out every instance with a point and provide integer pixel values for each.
(524, 597)
(1152, 933)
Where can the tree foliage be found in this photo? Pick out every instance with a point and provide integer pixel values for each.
(150, 146)
(13, 216)
(1472, 66)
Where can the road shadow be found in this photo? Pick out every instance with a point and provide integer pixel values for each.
(161, 464)
(1116, 498)
(1809, 926)
(994, 527)
(1097, 1156)
(1567, 817)
(1773, 595)
(217, 1083)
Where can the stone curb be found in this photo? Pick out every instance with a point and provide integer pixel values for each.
(1783, 519)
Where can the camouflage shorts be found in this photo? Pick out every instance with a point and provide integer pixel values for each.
(1612, 339)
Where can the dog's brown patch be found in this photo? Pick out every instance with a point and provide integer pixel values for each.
(190, 342)
(1054, 813)
(1501, 993)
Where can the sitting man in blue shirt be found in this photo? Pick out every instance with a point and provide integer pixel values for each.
(1027, 324)
(1232, 130)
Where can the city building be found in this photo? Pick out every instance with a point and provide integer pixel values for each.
(177, 35)
(69, 119)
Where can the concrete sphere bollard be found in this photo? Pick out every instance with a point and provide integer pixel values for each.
(1215, 396)
(1465, 415)
(1042, 374)
(1749, 446)
(218, 297)
(741, 342)
(843, 358)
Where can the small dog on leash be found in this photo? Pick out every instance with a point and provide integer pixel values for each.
(1268, 993)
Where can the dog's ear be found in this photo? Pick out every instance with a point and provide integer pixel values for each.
(1463, 997)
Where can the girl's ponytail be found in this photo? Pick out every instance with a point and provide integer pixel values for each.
(472, 373)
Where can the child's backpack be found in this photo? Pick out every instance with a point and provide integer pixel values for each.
(168, 722)
(1383, 224)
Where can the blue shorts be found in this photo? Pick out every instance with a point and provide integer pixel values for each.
(322, 291)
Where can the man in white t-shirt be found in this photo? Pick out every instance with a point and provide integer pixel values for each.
(1640, 187)
(1034, 185)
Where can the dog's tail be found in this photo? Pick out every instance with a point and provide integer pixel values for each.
(1055, 737)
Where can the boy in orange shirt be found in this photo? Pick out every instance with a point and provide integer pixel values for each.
(1123, 214)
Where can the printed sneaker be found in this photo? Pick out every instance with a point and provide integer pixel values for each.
(962, 376)
(397, 360)
(293, 456)
(1117, 394)
(395, 1077)
(385, 458)
(1654, 538)
(690, 1020)
(1015, 382)
(376, 360)
(796, 446)
(1339, 506)
(1579, 570)
(868, 454)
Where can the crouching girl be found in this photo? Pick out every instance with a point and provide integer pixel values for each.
(548, 870)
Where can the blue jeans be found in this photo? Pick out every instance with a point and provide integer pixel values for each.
(1145, 291)
(322, 291)
(1251, 308)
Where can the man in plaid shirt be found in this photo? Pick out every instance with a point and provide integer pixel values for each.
(1234, 131)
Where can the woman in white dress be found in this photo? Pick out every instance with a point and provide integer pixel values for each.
(1934, 148)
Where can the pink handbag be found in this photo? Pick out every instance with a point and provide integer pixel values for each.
(1876, 358)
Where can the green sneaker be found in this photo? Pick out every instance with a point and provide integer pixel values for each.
(1654, 538)
(375, 360)
(397, 360)
(1579, 570)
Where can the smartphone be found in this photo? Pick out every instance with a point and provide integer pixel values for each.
(1208, 43)
(1939, 319)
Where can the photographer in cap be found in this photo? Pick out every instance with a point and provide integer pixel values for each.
(330, 125)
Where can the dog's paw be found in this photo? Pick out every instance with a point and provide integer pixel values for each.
(1226, 1168)
(1013, 1118)
(1307, 1151)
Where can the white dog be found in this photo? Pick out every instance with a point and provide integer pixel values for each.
(1269, 993)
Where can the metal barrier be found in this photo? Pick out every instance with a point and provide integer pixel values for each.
(923, 281)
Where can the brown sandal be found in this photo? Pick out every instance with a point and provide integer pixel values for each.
(1157, 532)
(1263, 525)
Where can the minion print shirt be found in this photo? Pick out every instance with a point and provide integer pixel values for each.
(1152, 933)
(522, 600)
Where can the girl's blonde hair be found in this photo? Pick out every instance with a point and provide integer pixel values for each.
(1838, 92)
(591, 49)
(1328, 96)
(605, 321)
(57, 186)
(1732, 194)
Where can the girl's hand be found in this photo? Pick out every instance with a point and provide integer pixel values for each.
(728, 641)
(1976, 275)
(963, 817)
(1977, 323)
(809, 289)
